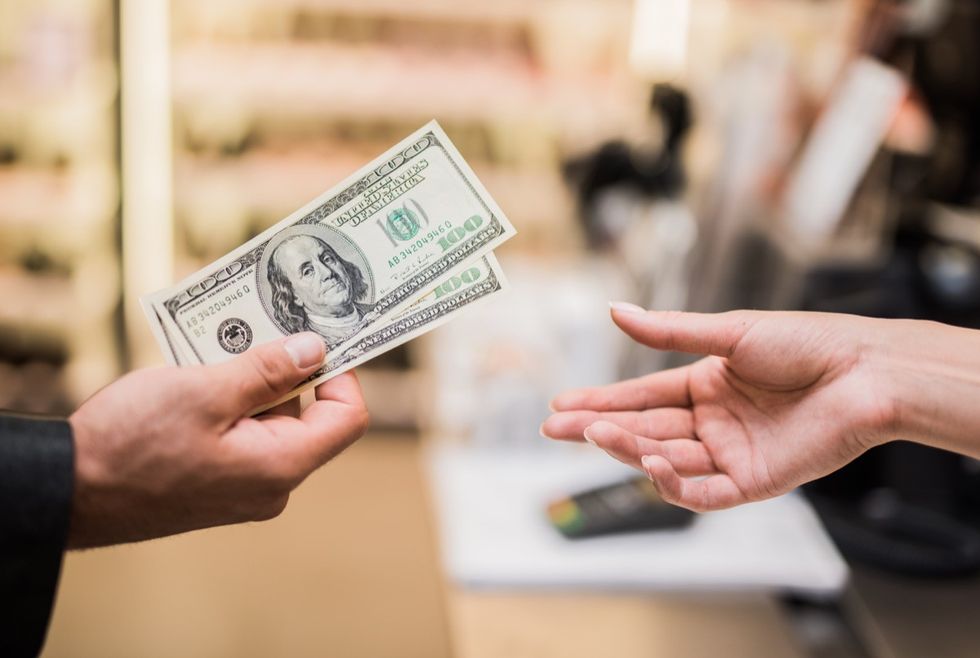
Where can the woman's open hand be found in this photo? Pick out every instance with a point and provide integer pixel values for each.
(782, 399)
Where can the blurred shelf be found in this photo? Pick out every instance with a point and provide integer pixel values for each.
(495, 12)
(36, 303)
(59, 198)
(67, 211)
(93, 85)
(516, 23)
(55, 304)
(63, 319)
(238, 84)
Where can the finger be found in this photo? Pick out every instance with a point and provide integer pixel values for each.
(689, 457)
(298, 446)
(695, 333)
(654, 424)
(267, 372)
(343, 388)
(328, 432)
(662, 389)
(712, 493)
(332, 423)
(286, 450)
(290, 407)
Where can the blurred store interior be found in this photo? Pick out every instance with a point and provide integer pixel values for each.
(680, 154)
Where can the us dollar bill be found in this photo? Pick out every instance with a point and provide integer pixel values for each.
(347, 261)
(474, 283)
(457, 287)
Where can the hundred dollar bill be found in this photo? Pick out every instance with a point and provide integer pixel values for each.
(486, 270)
(360, 252)
(474, 283)
(176, 352)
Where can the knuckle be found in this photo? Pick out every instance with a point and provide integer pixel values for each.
(362, 420)
(704, 504)
(335, 441)
(202, 396)
(667, 494)
(687, 502)
(354, 427)
(206, 391)
(672, 320)
(672, 498)
(190, 386)
(214, 398)
(269, 370)
(637, 447)
(283, 476)
(270, 509)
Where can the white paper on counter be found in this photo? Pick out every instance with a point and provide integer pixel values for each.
(494, 532)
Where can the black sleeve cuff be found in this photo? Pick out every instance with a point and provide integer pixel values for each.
(36, 483)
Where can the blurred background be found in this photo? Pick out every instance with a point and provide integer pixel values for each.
(698, 154)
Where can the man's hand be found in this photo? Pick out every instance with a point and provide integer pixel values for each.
(170, 450)
(783, 399)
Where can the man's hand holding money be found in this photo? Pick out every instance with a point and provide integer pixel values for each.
(170, 450)
(393, 252)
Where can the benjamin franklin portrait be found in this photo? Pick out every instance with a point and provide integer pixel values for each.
(315, 289)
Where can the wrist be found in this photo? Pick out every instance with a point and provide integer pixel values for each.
(930, 375)
(877, 412)
(81, 524)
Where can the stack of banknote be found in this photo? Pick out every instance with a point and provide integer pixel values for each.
(397, 249)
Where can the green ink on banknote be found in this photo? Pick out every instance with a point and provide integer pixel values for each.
(403, 224)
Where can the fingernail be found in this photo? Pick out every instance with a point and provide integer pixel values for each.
(626, 307)
(588, 438)
(541, 432)
(645, 461)
(306, 350)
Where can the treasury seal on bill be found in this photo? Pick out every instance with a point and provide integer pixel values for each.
(234, 335)
(312, 277)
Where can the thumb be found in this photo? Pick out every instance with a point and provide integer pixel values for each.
(267, 372)
(675, 331)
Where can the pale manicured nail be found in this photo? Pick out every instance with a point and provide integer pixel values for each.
(588, 438)
(306, 350)
(626, 307)
(645, 462)
(541, 432)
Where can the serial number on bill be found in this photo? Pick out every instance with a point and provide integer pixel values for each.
(216, 306)
(430, 237)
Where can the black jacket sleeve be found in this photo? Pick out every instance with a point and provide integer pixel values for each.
(36, 483)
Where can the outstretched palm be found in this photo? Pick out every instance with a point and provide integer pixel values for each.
(783, 399)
